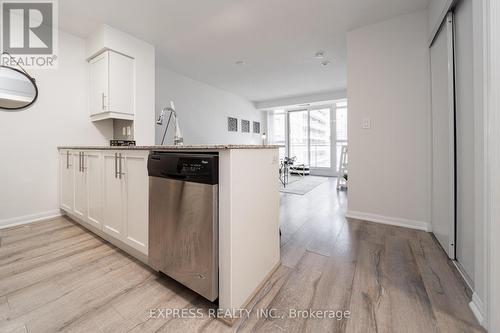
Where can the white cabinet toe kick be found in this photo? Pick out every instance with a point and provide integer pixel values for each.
(107, 192)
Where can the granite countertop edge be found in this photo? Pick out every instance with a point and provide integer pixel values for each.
(184, 147)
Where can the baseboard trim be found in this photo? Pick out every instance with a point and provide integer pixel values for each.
(477, 307)
(463, 274)
(39, 217)
(405, 223)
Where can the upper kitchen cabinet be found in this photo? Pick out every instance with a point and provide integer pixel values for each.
(111, 86)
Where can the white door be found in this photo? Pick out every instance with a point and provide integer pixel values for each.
(113, 199)
(467, 127)
(134, 167)
(443, 138)
(99, 83)
(66, 181)
(80, 208)
(93, 172)
(121, 83)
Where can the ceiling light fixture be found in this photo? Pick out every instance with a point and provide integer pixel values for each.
(319, 55)
(240, 62)
(325, 63)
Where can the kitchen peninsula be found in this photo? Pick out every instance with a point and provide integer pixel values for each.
(106, 189)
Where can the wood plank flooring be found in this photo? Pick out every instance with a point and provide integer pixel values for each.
(57, 277)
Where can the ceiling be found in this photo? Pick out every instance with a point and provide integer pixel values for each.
(276, 39)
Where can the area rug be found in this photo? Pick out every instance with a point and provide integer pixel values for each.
(303, 185)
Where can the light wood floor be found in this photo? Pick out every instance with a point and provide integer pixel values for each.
(55, 276)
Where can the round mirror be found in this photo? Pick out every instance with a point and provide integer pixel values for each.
(17, 89)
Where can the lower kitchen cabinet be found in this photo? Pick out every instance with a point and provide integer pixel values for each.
(80, 207)
(66, 180)
(113, 192)
(92, 168)
(136, 199)
(109, 190)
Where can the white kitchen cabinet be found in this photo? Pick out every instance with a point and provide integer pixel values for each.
(111, 86)
(66, 180)
(81, 185)
(80, 207)
(92, 166)
(126, 197)
(113, 196)
(136, 196)
(99, 83)
(109, 190)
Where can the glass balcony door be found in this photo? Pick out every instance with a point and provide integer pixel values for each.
(310, 134)
(298, 136)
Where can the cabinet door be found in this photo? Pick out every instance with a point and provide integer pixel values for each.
(99, 83)
(137, 199)
(113, 198)
(80, 207)
(121, 83)
(66, 180)
(93, 172)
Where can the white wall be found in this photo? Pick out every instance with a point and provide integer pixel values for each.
(143, 53)
(60, 116)
(203, 110)
(388, 82)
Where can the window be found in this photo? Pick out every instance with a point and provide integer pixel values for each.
(299, 136)
(320, 138)
(277, 130)
(310, 137)
(314, 135)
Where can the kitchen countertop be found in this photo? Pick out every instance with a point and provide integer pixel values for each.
(172, 147)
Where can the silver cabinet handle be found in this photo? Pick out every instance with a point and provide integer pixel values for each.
(116, 165)
(120, 173)
(79, 161)
(102, 101)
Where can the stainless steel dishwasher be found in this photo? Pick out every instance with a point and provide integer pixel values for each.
(183, 219)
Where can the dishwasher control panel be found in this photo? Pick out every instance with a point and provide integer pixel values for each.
(196, 168)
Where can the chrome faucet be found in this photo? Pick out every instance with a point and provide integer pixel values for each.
(178, 140)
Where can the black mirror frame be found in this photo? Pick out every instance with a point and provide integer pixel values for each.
(32, 80)
(22, 71)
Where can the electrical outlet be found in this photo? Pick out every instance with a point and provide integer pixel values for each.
(367, 123)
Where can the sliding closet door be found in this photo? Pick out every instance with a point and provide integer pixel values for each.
(443, 138)
(465, 124)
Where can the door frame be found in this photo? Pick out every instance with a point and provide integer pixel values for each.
(332, 171)
(489, 307)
